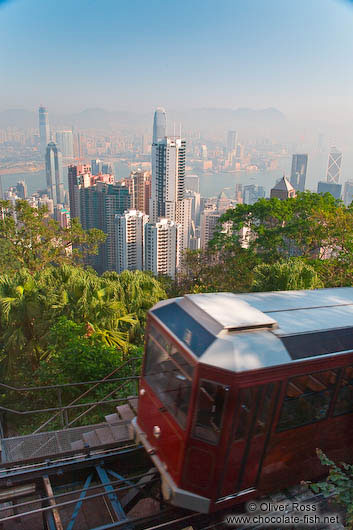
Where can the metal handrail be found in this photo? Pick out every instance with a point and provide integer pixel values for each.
(61, 410)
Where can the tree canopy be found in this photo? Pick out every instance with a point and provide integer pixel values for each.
(31, 239)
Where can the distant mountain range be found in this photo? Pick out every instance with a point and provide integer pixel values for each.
(204, 119)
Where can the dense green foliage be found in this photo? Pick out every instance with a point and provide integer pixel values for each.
(59, 322)
(302, 242)
(338, 485)
(30, 238)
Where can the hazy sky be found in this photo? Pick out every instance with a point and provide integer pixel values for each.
(295, 55)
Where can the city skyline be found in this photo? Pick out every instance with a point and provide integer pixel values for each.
(293, 68)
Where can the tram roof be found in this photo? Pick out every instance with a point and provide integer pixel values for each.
(241, 332)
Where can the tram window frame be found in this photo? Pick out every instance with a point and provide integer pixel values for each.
(341, 397)
(209, 431)
(176, 400)
(306, 398)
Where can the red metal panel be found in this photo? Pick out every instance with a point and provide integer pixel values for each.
(170, 445)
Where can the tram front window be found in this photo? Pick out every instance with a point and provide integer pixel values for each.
(210, 408)
(169, 375)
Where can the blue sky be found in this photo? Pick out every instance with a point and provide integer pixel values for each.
(295, 55)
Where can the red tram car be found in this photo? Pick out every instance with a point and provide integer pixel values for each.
(238, 391)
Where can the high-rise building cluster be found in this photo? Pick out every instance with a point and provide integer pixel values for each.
(149, 219)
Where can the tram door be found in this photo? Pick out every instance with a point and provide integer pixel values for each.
(253, 417)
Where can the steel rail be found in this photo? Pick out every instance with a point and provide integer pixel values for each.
(62, 504)
(72, 492)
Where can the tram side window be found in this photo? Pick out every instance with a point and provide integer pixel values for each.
(247, 402)
(344, 402)
(169, 375)
(209, 412)
(308, 399)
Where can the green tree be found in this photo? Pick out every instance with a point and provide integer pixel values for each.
(338, 484)
(301, 226)
(31, 239)
(288, 275)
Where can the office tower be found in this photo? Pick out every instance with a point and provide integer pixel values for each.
(232, 142)
(1, 190)
(348, 192)
(334, 166)
(64, 140)
(99, 204)
(209, 222)
(21, 189)
(159, 125)
(283, 190)
(330, 187)
(162, 243)
(44, 131)
(97, 166)
(130, 235)
(298, 171)
(54, 173)
(192, 182)
(73, 174)
(251, 193)
(142, 190)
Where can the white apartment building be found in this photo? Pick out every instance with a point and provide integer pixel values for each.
(130, 234)
(162, 244)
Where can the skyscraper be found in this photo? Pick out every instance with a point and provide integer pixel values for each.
(162, 247)
(330, 187)
(141, 190)
(64, 140)
(54, 173)
(1, 190)
(168, 177)
(21, 189)
(74, 181)
(348, 192)
(159, 125)
(298, 172)
(232, 141)
(334, 166)
(99, 204)
(130, 235)
(44, 131)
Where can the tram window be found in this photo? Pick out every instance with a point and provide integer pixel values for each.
(308, 399)
(344, 402)
(247, 402)
(209, 412)
(169, 374)
(265, 408)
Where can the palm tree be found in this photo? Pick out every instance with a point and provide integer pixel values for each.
(25, 319)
